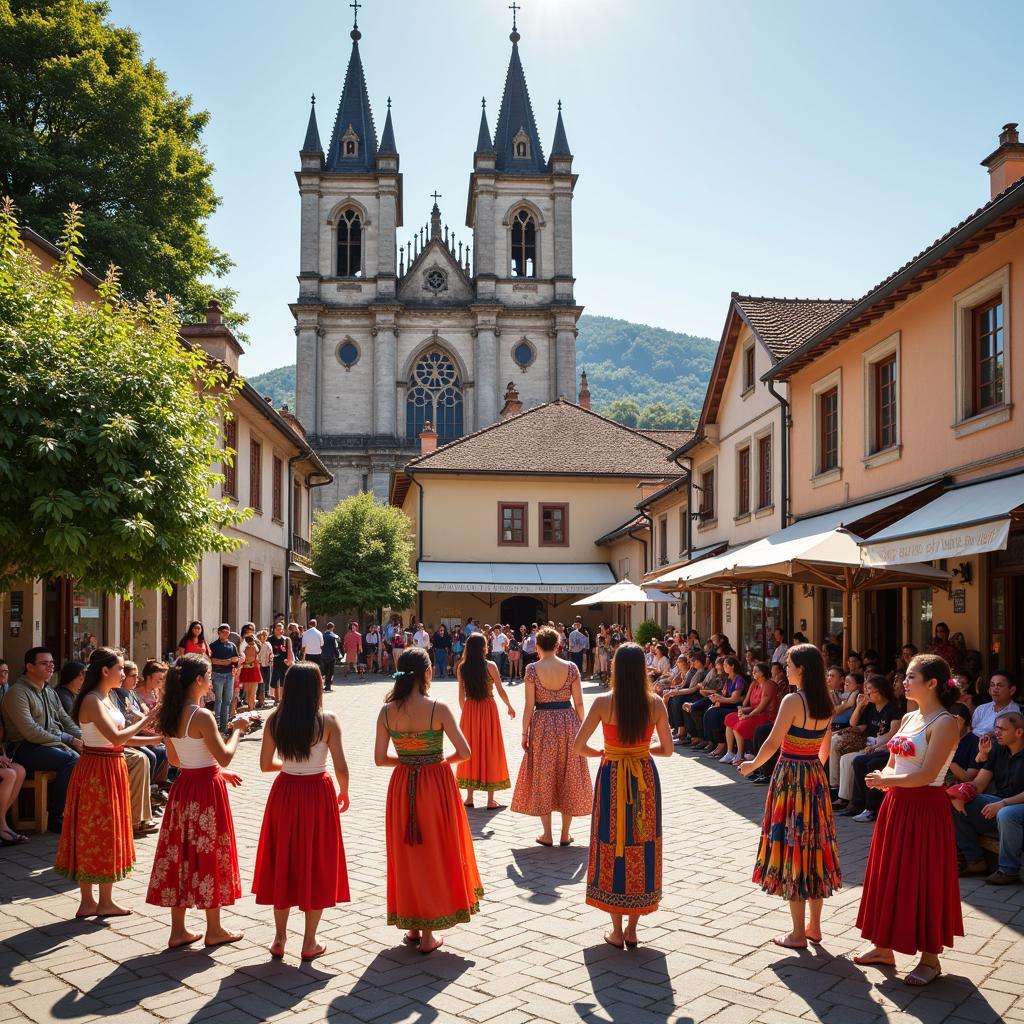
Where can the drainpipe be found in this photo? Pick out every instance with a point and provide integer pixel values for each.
(419, 546)
(650, 525)
(689, 529)
(787, 424)
(288, 538)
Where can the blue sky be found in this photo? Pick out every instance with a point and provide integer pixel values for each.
(775, 148)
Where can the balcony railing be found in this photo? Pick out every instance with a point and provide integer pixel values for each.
(300, 545)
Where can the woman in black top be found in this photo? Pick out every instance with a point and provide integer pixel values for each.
(441, 642)
(876, 714)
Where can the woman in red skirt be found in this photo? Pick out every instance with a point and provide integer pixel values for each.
(196, 863)
(486, 768)
(96, 845)
(911, 898)
(250, 676)
(300, 861)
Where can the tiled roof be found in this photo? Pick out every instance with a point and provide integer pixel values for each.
(630, 526)
(673, 438)
(785, 324)
(517, 113)
(556, 438)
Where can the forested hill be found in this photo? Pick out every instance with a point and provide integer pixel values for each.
(639, 375)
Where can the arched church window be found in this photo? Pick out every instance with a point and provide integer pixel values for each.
(435, 397)
(350, 148)
(350, 245)
(524, 245)
(521, 145)
(350, 143)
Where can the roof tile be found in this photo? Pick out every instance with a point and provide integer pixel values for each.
(785, 324)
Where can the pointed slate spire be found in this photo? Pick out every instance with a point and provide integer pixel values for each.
(354, 139)
(387, 140)
(516, 141)
(560, 147)
(483, 139)
(311, 146)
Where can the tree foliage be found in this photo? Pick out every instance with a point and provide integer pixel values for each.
(109, 427)
(361, 551)
(647, 631)
(84, 119)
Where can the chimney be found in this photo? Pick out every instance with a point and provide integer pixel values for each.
(428, 439)
(1006, 164)
(584, 402)
(512, 404)
(214, 337)
(290, 419)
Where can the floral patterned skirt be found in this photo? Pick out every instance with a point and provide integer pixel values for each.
(196, 863)
(96, 844)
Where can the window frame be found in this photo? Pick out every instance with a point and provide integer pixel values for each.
(546, 506)
(524, 509)
(743, 481)
(820, 476)
(749, 368)
(882, 354)
(765, 472)
(277, 489)
(707, 511)
(230, 469)
(977, 409)
(828, 434)
(514, 222)
(342, 224)
(256, 474)
(886, 398)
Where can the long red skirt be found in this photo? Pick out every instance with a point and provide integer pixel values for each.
(96, 843)
(433, 880)
(300, 861)
(196, 863)
(911, 898)
(486, 768)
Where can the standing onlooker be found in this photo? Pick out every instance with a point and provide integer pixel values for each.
(313, 645)
(515, 654)
(265, 658)
(387, 659)
(458, 646)
(421, 638)
(499, 643)
(944, 648)
(578, 645)
(224, 659)
(529, 648)
(353, 644)
(329, 656)
(779, 653)
(442, 644)
(283, 656)
(194, 641)
(371, 645)
(250, 676)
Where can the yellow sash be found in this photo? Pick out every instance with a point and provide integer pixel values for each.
(630, 761)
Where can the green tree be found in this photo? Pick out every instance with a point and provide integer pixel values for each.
(623, 410)
(84, 119)
(660, 416)
(109, 427)
(361, 551)
(648, 630)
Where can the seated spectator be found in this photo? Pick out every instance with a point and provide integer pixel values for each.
(151, 687)
(72, 675)
(686, 689)
(660, 668)
(998, 809)
(966, 685)
(676, 679)
(961, 768)
(847, 737)
(693, 709)
(854, 662)
(875, 719)
(941, 646)
(1003, 691)
(908, 652)
(726, 701)
(843, 690)
(759, 706)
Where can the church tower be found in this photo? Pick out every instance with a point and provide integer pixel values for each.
(391, 337)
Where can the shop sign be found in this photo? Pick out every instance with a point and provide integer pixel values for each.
(17, 612)
(959, 602)
(929, 547)
(510, 588)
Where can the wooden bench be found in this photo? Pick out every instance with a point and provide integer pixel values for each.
(990, 844)
(37, 785)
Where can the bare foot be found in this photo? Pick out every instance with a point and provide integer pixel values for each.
(629, 936)
(790, 941)
(111, 910)
(614, 939)
(85, 910)
(314, 951)
(494, 807)
(276, 949)
(813, 936)
(436, 944)
(544, 841)
(184, 939)
(875, 957)
(221, 938)
(412, 937)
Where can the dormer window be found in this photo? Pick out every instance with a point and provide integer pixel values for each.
(350, 244)
(521, 145)
(350, 143)
(524, 245)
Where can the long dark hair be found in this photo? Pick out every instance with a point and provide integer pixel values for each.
(180, 678)
(101, 658)
(630, 693)
(413, 665)
(188, 634)
(473, 668)
(70, 671)
(932, 669)
(808, 658)
(298, 722)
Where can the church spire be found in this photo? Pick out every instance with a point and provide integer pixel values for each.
(311, 145)
(354, 139)
(560, 147)
(516, 142)
(483, 139)
(387, 140)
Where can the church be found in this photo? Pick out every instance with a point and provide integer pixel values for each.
(400, 329)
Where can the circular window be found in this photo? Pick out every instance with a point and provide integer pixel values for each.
(436, 281)
(348, 354)
(523, 353)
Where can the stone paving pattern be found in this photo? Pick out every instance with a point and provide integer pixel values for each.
(533, 953)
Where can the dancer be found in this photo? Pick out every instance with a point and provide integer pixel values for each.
(250, 675)
(551, 777)
(300, 861)
(433, 880)
(486, 768)
(96, 846)
(624, 873)
(797, 858)
(913, 849)
(196, 863)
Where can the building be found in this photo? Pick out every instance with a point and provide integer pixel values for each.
(514, 522)
(395, 330)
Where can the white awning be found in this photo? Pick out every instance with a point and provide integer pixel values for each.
(514, 577)
(624, 592)
(964, 521)
(304, 570)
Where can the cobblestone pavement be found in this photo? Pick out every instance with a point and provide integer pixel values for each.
(533, 953)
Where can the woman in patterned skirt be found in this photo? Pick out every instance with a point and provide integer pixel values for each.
(624, 874)
(486, 768)
(551, 777)
(196, 862)
(797, 858)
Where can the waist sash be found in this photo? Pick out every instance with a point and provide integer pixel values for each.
(103, 751)
(414, 762)
(553, 705)
(630, 761)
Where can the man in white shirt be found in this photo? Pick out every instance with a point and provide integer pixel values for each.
(499, 644)
(578, 643)
(1001, 691)
(421, 638)
(313, 645)
(781, 647)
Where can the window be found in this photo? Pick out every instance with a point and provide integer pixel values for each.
(512, 523)
(748, 367)
(348, 353)
(885, 403)
(521, 145)
(828, 428)
(350, 143)
(229, 466)
(523, 354)
(435, 281)
(255, 474)
(435, 397)
(297, 522)
(554, 525)
(663, 540)
(764, 472)
(743, 484)
(707, 495)
(524, 245)
(350, 245)
(277, 488)
(987, 366)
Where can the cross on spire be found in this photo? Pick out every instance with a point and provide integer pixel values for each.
(435, 195)
(514, 8)
(355, 5)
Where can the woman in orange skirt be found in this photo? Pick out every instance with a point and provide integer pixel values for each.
(486, 768)
(433, 880)
(300, 861)
(96, 845)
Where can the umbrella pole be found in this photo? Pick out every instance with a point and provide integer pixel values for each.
(847, 617)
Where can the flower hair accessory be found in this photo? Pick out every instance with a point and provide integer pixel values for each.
(402, 674)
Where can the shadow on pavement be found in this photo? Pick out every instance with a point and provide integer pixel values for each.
(26, 946)
(610, 968)
(542, 870)
(480, 818)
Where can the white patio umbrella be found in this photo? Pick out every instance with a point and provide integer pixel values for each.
(625, 592)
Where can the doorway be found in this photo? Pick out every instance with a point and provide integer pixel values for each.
(521, 611)
(882, 625)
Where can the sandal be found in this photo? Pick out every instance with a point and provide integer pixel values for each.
(916, 980)
(566, 842)
(411, 940)
(541, 842)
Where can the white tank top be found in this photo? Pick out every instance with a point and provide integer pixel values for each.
(91, 735)
(192, 753)
(910, 745)
(315, 764)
